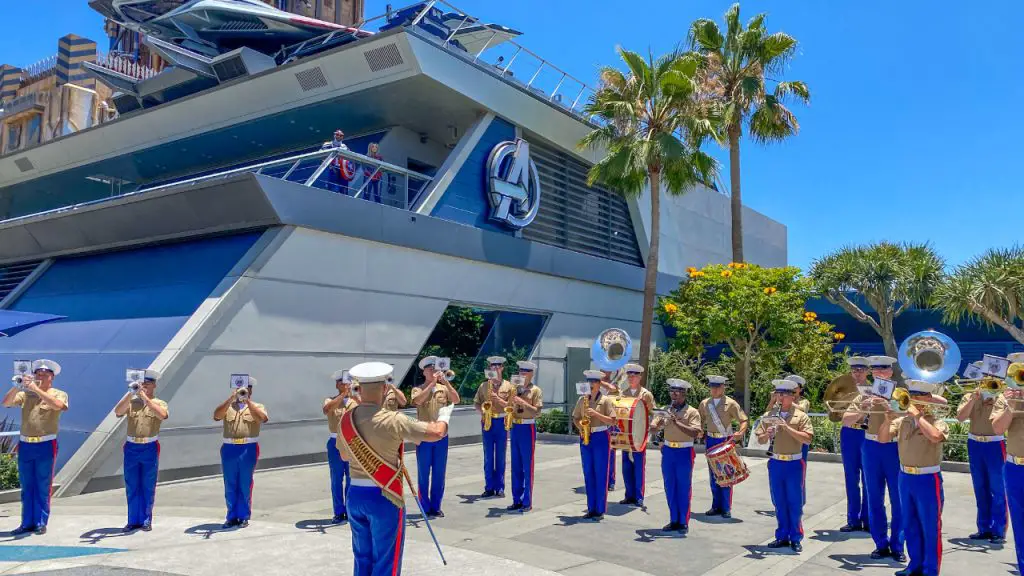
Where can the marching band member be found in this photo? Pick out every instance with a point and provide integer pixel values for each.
(495, 391)
(341, 478)
(527, 402)
(805, 406)
(240, 451)
(1010, 422)
(142, 449)
(432, 456)
(718, 414)
(610, 386)
(677, 455)
(595, 455)
(634, 464)
(41, 407)
(986, 452)
(851, 439)
(920, 436)
(881, 461)
(371, 437)
(785, 470)
(394, 399)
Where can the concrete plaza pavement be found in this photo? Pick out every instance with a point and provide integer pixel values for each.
(288, 533)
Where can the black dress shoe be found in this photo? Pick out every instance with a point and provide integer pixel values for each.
(147, 527)
(40, 530)
(500, 494)
(336, 519)
(778, 543)
(796, 547)
(488, 494)
(438, 514)
(627, 501)
(243, 523)
(726, 514)
(228, 524)
(899, 557)
(671, 527)
(684, 529)
(713, 512)
(850, 528)
(588, 515)
(22, 530)
(980, 536)
(525, 509)
(598, 517)
(909, 572)
(997, 539)
(880, 553)
(514, 507)
(128, 528)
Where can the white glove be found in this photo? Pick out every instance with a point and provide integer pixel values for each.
(445, 413)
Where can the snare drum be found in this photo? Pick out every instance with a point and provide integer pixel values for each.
(726, 464)
(631, 425)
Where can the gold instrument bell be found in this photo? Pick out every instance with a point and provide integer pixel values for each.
(839, 395)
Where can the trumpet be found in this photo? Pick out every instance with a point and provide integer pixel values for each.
(133, 388)
(985, 384)
(20, 381)
(242, 394)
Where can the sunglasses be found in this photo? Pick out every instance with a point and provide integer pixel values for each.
(525, 371)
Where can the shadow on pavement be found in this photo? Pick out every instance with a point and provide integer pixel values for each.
(650, 535)
(320, 526)
(10, 536)
(715, 519)
(858, 562)
(837, 536)
(968, 545)
(209, 529)
(574, 520)
(767, 513)
(471, 498)
(95, 535)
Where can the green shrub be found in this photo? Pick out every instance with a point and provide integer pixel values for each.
(955, 448)
(9, 472)
(826, 435)
(553, 422)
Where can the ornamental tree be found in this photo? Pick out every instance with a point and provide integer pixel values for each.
(989, 289)
(748, 309)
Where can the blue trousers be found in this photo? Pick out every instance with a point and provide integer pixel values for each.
(1013, 476)
(987, 460)
(378, 532)
(340, 479)
(141, 463)
(721, 497)
(882, 470)
(852, 445)
(35, 472)
(923, 498)
(596, 457)
(677, 470)
(634, 474)
(431, 463)
(523, 441)
(611, 470)
(804, 451)
(238, 462)
(785, 479)
(494, 456)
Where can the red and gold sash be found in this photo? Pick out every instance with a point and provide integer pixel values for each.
(387, 477)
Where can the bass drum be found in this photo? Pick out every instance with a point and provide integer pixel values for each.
(631, 425)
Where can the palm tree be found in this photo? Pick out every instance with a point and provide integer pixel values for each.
(989, 288)
(734, 67)
(652, 128)
(889, 278)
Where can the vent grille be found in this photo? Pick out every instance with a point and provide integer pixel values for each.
(387, 56)
(311, 79)
(230, 69)
(23, 164)
(12, 275)
(587, 219)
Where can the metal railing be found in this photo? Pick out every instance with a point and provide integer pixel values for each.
(372, 179)
(24, 103)
(125, 64)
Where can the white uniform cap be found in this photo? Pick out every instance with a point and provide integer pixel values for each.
(371, 373)
(152, 375)
(920, 386)
(784, 385)
(798, 379)
(252, 380)
(632, 368)
(1015, 357)
(492, 360)
(857, 361)
(593, 375)
(717, 380)
(678, 384)
(427, 362)
(526, 365)
(46, 365)
(884, 361)
(338, 375)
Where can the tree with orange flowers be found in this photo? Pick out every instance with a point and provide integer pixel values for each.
(749, 309)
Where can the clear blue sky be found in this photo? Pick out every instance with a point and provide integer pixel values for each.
(911, 135)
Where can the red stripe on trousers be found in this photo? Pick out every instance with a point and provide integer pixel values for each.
(608, 471)
(643, 475)
(938, 509)
(689, 501)
(1006, 526)
(53, 467)
(252, 483)
(396, 564)
(533, 456)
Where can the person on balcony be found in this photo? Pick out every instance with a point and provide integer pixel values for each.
(373, 174)
(341, 172)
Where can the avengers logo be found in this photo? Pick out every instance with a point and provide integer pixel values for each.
(514, 193)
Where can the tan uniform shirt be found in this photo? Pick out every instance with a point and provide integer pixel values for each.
(37, 417)
(604, 406)
(1015, 433)
(384, 431)
(143, 422)
(428, 410)
(334, 416)
(803, 404)
(242, 423)
(915, 449)
(533, 396)
(981, 415)
(688, 416)
(643, 394)
(874, 420)
(785, 443)
(502, 390)
(728, 411)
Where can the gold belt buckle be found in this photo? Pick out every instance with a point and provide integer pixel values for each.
(33, 439)
(911, 469)
(238, 440)
(1018, 460)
